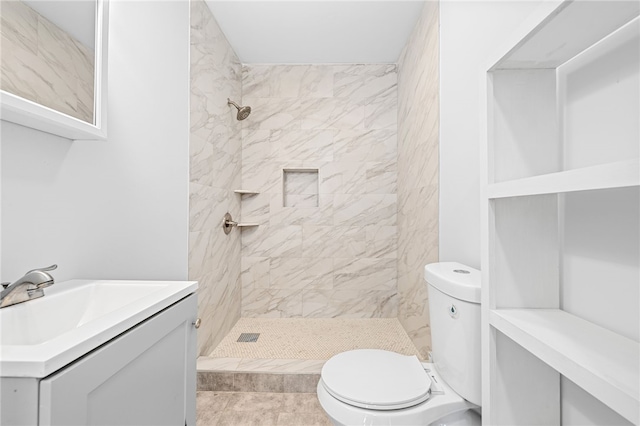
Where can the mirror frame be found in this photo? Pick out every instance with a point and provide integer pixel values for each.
(31, 114)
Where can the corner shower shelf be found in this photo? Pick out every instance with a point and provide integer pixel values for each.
(618, 174)
(600, 361)
(245, 192)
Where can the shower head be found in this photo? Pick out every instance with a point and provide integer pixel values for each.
(243, 111)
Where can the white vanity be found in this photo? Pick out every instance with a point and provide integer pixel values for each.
(100, 352)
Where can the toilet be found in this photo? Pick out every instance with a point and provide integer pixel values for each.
(376, 387)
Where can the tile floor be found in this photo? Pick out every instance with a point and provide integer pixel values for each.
(259, 409)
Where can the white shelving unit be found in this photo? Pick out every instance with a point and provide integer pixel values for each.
(620, 174)
(603, 363)
(534, 338)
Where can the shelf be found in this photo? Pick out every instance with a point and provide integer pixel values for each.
(606, 176)
(247, 225)
(603, 363)
(567, 29)
(245, 192)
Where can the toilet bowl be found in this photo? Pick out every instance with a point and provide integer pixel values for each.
(377, 387)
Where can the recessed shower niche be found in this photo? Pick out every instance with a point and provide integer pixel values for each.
(300, 188)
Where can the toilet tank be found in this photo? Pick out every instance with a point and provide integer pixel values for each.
(454, 312)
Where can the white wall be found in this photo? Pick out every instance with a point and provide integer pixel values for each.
(119, 208)
(469, 32)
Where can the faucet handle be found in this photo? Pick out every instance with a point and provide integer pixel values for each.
(46, 269)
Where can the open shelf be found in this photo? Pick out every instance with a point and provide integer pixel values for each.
(561, 118)
(619, 174)
(569, 28)
(245, 192)
(603, 363)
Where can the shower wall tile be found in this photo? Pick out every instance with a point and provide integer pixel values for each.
(333, 241)
(371, 145)
(349, 304)
(336, 259)
(273, 113)
(200, 254)
(200, 159)
(264, 177)
(303, 145)
(332, 113)
(289, 81)
(272, 240)
(256, 208)
(381, 241)
(365, 274)
(365, 209)
(215, 171)
(301, 273)
(355, 177)
(301, 200)
(271, 303)
(320, 215)
(382, 178)
(365, 81)
(200, 206)
(348, 177)
(255, 273)
(380, 113)
(417, 183)
(256, 146)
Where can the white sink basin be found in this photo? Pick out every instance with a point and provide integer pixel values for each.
(74, 317)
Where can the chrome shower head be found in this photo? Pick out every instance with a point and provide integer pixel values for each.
(243, 111)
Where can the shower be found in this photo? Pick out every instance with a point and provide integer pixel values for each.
(243, 111)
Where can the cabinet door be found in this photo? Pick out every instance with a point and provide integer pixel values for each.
(145, 376)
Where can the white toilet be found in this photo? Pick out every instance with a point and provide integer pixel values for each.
(376, 387)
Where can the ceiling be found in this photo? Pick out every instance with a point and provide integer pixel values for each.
(75, 17)
(293, 32)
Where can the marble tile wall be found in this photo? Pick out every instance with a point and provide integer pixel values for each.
(418, 136)
(215, 163)
(336, 259)
(43, 63)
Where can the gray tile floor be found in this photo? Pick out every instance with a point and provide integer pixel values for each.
(259, 409)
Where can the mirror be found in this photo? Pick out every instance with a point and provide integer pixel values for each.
(53, 66)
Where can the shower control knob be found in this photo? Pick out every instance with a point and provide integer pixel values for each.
(197, 323)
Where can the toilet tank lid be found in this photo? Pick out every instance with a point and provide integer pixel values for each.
(454, 279)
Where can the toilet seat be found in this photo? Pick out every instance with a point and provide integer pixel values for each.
(376, 379)
(440, 404)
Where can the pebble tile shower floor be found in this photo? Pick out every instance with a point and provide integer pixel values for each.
(313, 338)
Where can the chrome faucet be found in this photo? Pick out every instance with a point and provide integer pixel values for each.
(26, 288)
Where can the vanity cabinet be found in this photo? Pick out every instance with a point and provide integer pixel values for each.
(145, 376)
(560, 235)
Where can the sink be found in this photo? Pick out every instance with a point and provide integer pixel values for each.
(74, 317)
